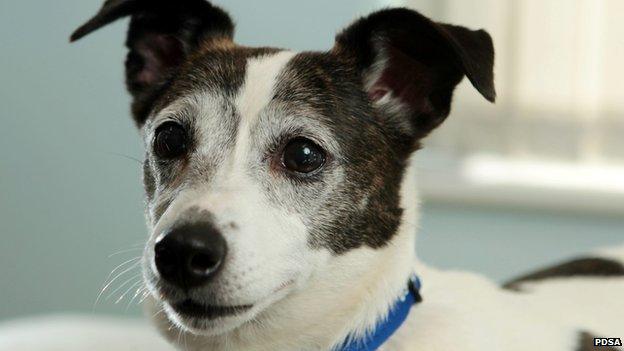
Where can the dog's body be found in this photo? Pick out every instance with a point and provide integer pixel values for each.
(281, 198)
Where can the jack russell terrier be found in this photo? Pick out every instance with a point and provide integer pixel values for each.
(281, 202)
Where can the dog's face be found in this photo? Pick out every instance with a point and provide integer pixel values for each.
(263, 165)
(276, 166)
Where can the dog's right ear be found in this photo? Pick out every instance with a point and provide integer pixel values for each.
(162, 34)
(410, 65)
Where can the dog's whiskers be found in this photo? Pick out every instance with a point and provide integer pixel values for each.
(108, 282)
(130, 288)
(140, 290)
(185, 336)
(131, 249)
(127, 157)
(179, 336)
(124, 284)
(121, 265)
(146, 294)
(160, 310)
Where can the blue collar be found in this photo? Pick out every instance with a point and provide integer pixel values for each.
(386, 327)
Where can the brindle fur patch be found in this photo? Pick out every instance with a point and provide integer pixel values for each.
(364, 208)
(583, 267)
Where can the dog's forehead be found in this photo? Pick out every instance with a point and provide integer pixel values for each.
(218, 71)
(261, 78)
(246, 76)
(253, 77)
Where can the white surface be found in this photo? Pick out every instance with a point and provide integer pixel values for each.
(79, 333)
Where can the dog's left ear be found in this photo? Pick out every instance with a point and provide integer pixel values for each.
(411, 65)
(162, 35)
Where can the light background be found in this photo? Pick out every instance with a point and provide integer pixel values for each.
(71, 194)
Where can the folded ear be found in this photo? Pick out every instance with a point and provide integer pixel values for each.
(162, 34)
(411, 65)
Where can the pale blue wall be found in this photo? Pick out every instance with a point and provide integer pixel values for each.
(68, 198)
(506, 242)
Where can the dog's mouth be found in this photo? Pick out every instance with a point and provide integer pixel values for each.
(190, 308)
(201, 318)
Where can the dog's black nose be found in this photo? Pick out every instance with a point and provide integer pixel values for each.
(190, 255)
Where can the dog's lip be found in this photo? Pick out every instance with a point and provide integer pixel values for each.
(194, 309)
(190, 308)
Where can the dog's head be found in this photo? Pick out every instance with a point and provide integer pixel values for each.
(264, 166)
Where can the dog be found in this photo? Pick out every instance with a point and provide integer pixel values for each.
(281, 202)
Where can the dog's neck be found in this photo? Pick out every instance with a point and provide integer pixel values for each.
(347, 299)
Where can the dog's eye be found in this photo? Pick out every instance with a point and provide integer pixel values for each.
(170, 140)
(302, 155)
